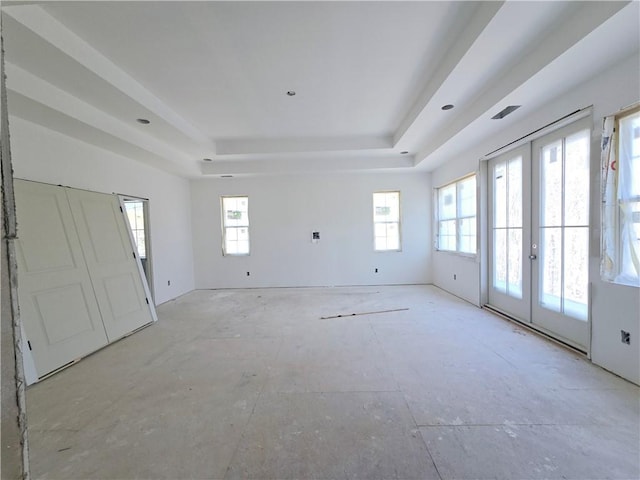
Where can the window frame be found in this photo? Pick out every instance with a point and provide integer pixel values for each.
(458, 218)
(225, 228)
(621, 277)
(399, 222)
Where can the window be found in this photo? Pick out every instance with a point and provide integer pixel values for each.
(621, 191)
(386, 221)
(457, 216)
(235, 225)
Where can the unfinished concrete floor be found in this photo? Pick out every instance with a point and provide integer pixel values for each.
(253, 384)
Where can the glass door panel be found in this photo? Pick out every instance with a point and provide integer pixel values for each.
(509, 234)
(560, 232)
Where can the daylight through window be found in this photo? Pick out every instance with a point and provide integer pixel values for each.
(629, 196)
(457, 216)
(386, 221)
(235, 225)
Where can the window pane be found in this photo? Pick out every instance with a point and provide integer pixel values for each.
(231, 247)
(576, 194)
(140, 243)
(447, 235)
(232, 234)
(468, 235)
(386, 206)
(467, 197)
(242, 247)
(551, 185)
(576, 271)
(630, 234)
(500, 260)
(393, 236)
(235, 211)
(447, 202)
(386, 218)
(500, 195)
(243, 234)
(514, 265)
(550, 268)
(456, 216)
(514, 189)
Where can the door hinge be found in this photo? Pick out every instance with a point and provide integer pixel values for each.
(147, 300)
(29, 343)
(121, 211)
(134, 255)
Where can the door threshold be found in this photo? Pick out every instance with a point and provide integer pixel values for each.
(536, 330)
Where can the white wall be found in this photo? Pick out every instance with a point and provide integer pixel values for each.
(614, 307)
(284, 210)
(46, 156)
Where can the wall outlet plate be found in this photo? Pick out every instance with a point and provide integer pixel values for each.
(625, 337)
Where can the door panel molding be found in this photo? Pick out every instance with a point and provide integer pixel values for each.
(42, 319)
(80, 286)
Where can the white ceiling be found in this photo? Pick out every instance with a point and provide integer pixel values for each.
(370, 77)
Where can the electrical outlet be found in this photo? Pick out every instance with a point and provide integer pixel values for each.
(248, 274)
(168, 283)
(376, 270)
(455, 277)
(625, 337)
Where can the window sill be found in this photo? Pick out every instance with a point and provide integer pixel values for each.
(624, 281)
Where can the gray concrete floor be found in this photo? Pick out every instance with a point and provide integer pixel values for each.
(253, 384)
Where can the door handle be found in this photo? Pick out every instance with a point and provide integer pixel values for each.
(532, 257)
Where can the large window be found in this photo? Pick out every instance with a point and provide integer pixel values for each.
(457, 216)
(621, 198)
(386, 221)
(235, 225)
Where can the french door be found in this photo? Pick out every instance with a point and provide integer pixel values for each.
(539, 233)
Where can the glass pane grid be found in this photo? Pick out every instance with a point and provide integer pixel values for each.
(386, 221)
(507, 227)
(457, 216)
(235, 225)
(564, 225)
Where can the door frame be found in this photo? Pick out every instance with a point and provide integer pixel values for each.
(148, 274)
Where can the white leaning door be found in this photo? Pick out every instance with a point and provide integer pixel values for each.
(111, 260)
(58, 308)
